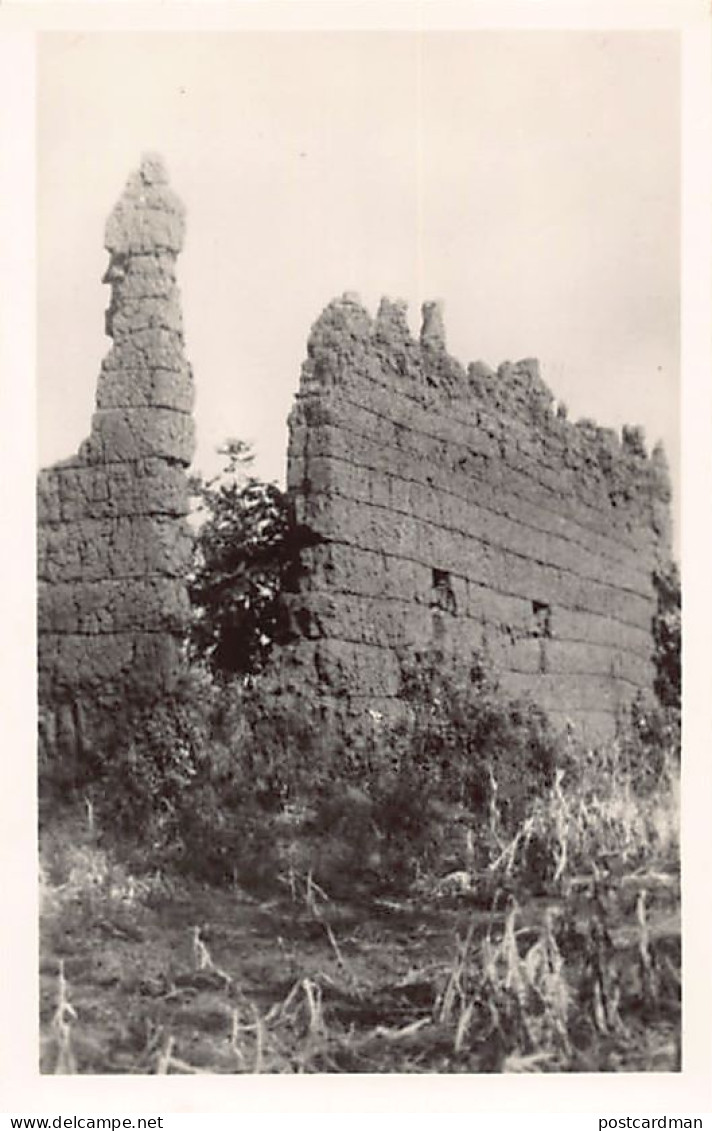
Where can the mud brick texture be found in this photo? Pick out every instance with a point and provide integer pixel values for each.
(113, 542)
(461, 508)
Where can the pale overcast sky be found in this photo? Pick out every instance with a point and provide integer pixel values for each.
(529, 180)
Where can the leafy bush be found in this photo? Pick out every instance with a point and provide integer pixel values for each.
(648, 740)
(667, 629)
(242, 553)
(471, 743)
(150, 755)
(263, 760)
(238, 781)
(403, 794)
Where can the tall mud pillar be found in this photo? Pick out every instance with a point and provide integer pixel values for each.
(113, 541)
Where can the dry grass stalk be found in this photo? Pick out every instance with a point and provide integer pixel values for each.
(313, 995)
(257, 1067)
(235, 1031)
(454, 997)
(605, 994)
(561, 826)
(203, 960)
(405, 1031)
(61, 1025)
(514, 980)
(528, 995)
(532, 1062)
(463, 1025)
(649, 975)
(280, 1010)
(494, 815)
(345, 966)
(165, 1061)
(89, 805)
(544, 966)
(164, 1056)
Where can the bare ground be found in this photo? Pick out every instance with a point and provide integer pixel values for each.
(163, 976)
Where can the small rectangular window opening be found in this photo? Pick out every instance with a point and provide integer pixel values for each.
(443, 593)
(542, 619)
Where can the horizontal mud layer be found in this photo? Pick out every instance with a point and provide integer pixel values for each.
(503, 571)
(111, 490)
(348, 668)
(104, 666)
(112, 549)
(398, 424)
(397, 623)
(146, 387)
(472, 471)
(366, 470)
(146, 604)
(130, 434)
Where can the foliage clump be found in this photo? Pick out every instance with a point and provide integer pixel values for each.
(242, 554)
(667, 632)
(232, 780)
(473, 742)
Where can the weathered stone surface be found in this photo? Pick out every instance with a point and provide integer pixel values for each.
(113, 544)
(130, 435)
(79, 492)
(148, 218)
(462, 508)
(114, 547)
(146, 388)
(432, 332)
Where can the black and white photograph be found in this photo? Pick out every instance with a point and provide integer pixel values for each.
(358, 465)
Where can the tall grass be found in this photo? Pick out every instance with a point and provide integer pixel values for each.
(560, 860)
(595, 816)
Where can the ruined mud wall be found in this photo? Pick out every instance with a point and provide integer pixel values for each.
(462, 509)
(113, 544)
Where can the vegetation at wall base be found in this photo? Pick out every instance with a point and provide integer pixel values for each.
(299, 902)
(468, 968)
(667, 634)
(235, 881)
